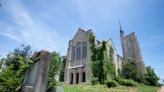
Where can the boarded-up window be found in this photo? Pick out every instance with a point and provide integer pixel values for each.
(31, 74)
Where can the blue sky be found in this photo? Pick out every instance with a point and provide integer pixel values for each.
(50, 24)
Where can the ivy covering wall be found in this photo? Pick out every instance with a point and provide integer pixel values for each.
(102, 68)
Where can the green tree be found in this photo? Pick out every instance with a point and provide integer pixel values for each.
(12, 76)
(130, 71)
(1, 62)
(54, 71)
(63, 63)
(151, 77)
(23, 51)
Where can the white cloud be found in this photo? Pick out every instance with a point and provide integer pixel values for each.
(28, 29)
(11, 36)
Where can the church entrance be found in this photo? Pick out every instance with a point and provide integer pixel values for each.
(71, 82)
(77, 78)
(83, 77)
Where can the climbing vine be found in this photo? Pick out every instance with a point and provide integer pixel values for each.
(100, 68)
(110, 65)
(97, 59)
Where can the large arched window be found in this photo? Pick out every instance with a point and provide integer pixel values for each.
(84, 55)
(78, 51)
(73, 53)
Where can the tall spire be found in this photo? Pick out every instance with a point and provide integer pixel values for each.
(120, 25)
(121, 31)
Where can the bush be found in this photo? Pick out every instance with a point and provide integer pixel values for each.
(117, 79)
(125, 82)
(130, 83)
(151, 77)
(111, 83)
(94, 80)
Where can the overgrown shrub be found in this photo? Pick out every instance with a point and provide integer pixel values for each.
(111, 83)
(151, 77)
(128, 82)
(117, 79)
(94, 80)
(125, 82)
(53, 71)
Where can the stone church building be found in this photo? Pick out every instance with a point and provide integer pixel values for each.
(78, 64)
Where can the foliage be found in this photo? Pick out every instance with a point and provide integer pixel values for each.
(118, 78)
(129, 83)
(119, 72)
(125, 82)
(54, 71)
(94, 80)
(12, 76)
(151, 77)
(23, 51)
(99, 65)
(97, 60)
(94, 56)
(130, 71)
(1, 63)
(111, 83)
(63, 63)
(110, 65)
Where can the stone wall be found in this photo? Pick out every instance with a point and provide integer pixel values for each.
(36, 78)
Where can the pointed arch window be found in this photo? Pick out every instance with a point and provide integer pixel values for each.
(78, 51)
(84, 46)
(73, 53)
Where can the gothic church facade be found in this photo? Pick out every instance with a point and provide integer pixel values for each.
(78, 64)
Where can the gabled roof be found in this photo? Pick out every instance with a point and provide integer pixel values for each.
(110, 40)
(79, 30)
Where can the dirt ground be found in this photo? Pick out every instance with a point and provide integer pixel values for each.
(161, 89)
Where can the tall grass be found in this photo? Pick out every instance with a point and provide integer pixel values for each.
(147, 89)
(104, 88)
